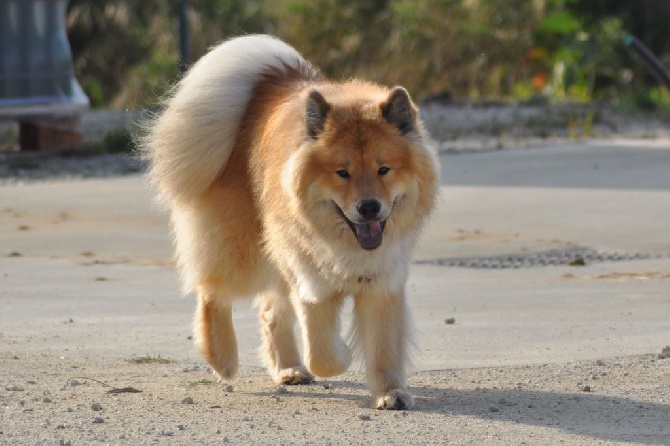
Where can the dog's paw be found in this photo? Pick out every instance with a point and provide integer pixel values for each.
(394, 399)
(294, 375)
(225, 371)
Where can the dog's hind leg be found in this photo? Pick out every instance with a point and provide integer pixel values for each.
(280, 350)
(215, 335)
(326, 354)
(381, 330)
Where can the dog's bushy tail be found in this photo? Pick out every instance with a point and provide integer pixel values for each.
(189, 143)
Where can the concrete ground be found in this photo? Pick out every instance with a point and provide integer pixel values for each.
(86, 275)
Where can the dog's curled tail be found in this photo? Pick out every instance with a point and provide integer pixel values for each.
(189, 143)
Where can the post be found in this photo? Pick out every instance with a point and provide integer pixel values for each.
(184, 61)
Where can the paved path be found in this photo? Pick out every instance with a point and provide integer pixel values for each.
(85, 266)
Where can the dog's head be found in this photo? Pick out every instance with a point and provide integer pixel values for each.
(368, 172)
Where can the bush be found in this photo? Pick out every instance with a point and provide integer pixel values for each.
(126, 54)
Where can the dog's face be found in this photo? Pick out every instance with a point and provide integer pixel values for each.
(363, 176)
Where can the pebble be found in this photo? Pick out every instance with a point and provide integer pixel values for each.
(280, 390)
(494, 409)
(228, 388)
(180, 427)
(46, 399)
(96, 406)
(187, 400)
(363, 417)
(98, 420)
(168, 433)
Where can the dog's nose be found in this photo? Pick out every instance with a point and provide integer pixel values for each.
(369, 208)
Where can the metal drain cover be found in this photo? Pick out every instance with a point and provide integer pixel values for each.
(572, 256)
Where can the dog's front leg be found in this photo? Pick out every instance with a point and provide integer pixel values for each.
(326, 354)
(282, 356)
(215, 335)
(381, 328)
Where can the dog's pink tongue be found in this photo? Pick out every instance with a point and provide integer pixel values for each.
(369, 235)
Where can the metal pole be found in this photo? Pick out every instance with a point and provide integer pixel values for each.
(184, 61)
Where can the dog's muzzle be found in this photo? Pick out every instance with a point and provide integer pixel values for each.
(369, 232)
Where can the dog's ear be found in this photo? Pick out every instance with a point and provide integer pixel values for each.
(316, 113)
(399, 111)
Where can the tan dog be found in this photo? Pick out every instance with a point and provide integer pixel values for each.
(300, 192)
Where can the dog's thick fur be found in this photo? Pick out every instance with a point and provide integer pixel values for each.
(300, 192)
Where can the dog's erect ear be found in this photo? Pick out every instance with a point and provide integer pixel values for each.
(399, 111)
(316, 113)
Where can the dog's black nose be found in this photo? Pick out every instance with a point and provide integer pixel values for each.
(369, 208)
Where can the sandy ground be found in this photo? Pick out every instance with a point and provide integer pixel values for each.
(52, 400)
(89, 304)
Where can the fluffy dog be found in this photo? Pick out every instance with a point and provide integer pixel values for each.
(299, 192)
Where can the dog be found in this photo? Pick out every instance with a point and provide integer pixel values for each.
(299, 192)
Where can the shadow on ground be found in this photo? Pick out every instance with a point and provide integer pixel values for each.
(586, 414)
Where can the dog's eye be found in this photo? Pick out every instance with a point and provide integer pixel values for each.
(343, 173)
(383, 171)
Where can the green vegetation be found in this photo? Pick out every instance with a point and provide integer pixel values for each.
(655, 100)
(148, 359)
(118, 141)
(126, 54)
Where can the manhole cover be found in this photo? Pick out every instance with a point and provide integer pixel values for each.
(573, 256)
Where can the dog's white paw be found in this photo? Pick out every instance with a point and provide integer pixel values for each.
(394, 399)
(294, 375)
